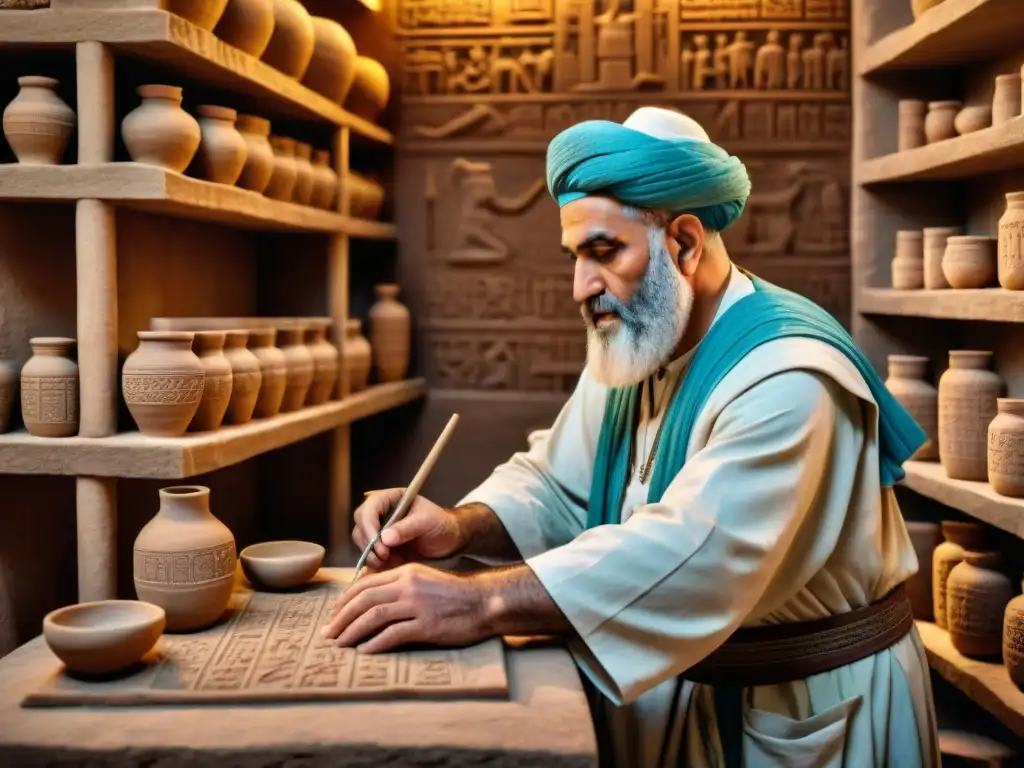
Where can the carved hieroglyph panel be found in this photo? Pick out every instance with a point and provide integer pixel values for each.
(443, 13)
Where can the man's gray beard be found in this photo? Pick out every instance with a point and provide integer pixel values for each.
(652, 322)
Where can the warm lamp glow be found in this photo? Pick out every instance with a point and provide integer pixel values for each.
(373, 5)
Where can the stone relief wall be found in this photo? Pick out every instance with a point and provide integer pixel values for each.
(487, 83)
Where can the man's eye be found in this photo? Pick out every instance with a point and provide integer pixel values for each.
(603, 253)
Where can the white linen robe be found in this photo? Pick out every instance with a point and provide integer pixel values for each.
(778, 515)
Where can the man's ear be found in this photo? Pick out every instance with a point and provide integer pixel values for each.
(686, 242)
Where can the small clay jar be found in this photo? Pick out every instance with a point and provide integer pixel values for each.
(907, 384)
(305, 175)
(1013, 640)
(8, 388)
(969, 261)
(968, 391)
(326, 362)
(291, 44)
(924, 537)
(273, 369)
(203, 13)
(1010, 255)
(908, 263)
(247, 25)
(246, 377)
(390, 329)
(209, 346)
(158, 131)
(38, 123)
(939, 122)
(366, 197)
(1006, 448)
(299, 364)
(259, 155)
(325, 180)
(1006, 98)
(358, 355)
(959, 538)
(286, 172)
(162, 382)
(976, 598)
(974, 118)
(934, 250)
(184, 560)
(911, 123)
(371, 89)
(49, 388)
(222, 150)
(333, 65)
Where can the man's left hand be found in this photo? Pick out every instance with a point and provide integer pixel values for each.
(412, 603)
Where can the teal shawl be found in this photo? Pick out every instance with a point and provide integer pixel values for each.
(767, 314)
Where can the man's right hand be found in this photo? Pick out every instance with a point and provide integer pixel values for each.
(427, 532)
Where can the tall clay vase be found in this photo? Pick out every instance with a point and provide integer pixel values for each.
(305, 175)
(299, 366)
(246, 377)
(325, 180)
(911, 123)
(162, 382)
(1006, 98)
(222, 149)
(209, 346)
(907, 384)
(358, 355)
(273, 370)
(1011, 243)
(1006, 448)
(158, 131)
(924, 537)
(976, 598)
(960, 537)
(203, 13)
(259, 155)
(37, 122)
(1013, 640)
(370, 90)
(935, 240)
(968, 391)
(184, 560)
(332, 69)
(291, 45)
(286, 172)
(247, 25)
(326, 362)
(49, 388)
(908, 263)
(8, 388)
(390, 331)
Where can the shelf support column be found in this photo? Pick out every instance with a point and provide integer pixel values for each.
(96, 263)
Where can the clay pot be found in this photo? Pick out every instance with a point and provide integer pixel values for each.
(325, 362)
(390, 329)
(907, 384)
(8, 387)
(908, 263)
(37, 122)
(332, 69)
(971, 119)
(273, 370)
(911, 123)
(959, 538)
(925, 537)
(259, 155)
(291, 45)
(969, 261)
(968, 391)
(1013, 640)
(934, 250)
(920, 6)
(1010, 257)
(325, 180)
(185, 559)
(370, 90)
(305, 175)
(158, 131)
(939, 122)
(1006, 448)
(286, 172)
(976, 598)
(49, 388)
(209, 346)
(163, 382)
(246, 377)
(247, 25)
(222, 149)
(299, 364)
(203, 13)
(366, 197)
(358, 355)
(1006, 98)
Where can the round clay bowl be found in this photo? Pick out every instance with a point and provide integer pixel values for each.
(281, 564)
(971, 119)
(104, 636)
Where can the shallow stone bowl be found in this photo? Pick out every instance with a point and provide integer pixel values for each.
(281, 564)
(103, 636)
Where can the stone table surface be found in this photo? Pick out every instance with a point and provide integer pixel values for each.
(544, 722)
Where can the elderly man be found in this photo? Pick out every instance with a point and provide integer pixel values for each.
(710, 522)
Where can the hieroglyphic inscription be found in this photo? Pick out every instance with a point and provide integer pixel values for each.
(162, 387)
(1005, 453)
(511, 295)
(507, 360)
(49, 399)
(426, 13)
(963, 427)
(975, 613)
(191, 567)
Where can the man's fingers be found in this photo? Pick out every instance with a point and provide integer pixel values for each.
(376, 619)
(393, 636)
(357, 606)
(366, 581)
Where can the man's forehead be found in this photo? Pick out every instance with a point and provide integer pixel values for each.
(593, 216)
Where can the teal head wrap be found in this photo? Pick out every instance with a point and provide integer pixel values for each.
(679, 175)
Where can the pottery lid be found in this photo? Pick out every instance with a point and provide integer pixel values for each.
(983, 558)
(236, 337)
(166, 335)
(909, 234)
(253, 124)
(942, 231)
(262, 337)
(966, 534)
(1014, 197)
(353, 325)
(159, 92)
(948, 104)
(914, 104)
(38, 81)
(210, 338)
(217, 113)
(388, 290)
(1009, 77)
(908, 359)
(283, 144)
(51, 340)
(1010, 405)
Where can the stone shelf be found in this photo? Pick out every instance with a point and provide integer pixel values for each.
(992, 149)
(953, 32)
(994, 305)
(149, 188)
(169, 40)
(976, 499)
(131, 454)
(987, 683)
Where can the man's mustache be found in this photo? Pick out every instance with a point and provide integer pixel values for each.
(601, 304)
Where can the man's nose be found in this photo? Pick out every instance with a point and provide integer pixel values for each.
(587, 281)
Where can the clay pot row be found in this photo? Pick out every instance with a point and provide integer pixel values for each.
(49, 389)
(37, 123)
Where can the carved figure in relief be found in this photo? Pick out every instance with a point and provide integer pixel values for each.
(472, 75)
(426, 69)
(477, 115)
(703, 68)
(813, 62)
(837, 65)
(686, 63)
(794, 60)
(508, 74)
(770, 63)
(741, 56)
(722, 60)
